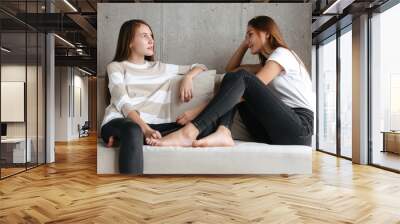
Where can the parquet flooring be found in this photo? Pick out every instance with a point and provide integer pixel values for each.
(70, 191)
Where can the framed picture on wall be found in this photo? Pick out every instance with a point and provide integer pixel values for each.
(12, 101)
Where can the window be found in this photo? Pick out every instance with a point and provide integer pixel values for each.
(327, 95)
(346, 92)
(385, 88)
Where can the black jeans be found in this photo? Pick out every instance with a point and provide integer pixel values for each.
(267, 118)
(130, 137)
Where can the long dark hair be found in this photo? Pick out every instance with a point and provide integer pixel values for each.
(123, 51)
(268, 25)
(275, 39)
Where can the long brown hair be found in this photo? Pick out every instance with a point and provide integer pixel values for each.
(275, 39)
(268, 25)
(123, 51)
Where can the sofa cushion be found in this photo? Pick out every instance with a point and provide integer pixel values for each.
(243, 158)
(203, 91)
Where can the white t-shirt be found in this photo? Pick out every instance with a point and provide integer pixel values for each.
(293, 85)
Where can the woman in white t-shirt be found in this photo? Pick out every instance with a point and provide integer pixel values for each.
(274, 98)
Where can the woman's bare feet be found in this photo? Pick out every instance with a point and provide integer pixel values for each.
(110, 142)
(151, 141)
(183, 137)
(221, 137)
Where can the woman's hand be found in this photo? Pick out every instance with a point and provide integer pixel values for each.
(245, 43)
(236, 60)
(152, 134)
(187, 116)
(186, 89)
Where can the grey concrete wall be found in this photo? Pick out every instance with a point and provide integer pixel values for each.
(187, 33)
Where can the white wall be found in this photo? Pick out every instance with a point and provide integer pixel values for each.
(61, 104)
(80, 83)
(67, 115)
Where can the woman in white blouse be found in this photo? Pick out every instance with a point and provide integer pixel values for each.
(140, 97)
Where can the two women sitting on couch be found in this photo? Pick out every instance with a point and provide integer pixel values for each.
(274, 98)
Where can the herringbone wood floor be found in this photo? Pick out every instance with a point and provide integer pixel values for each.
(70, 191)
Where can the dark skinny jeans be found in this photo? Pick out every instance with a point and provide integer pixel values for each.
(267, 118)
(129, 137)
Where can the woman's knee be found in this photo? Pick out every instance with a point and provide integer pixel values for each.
(235, 75)
(131, 128)
(104, 134)
(239, 74)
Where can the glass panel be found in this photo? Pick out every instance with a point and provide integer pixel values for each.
(32, 87)
(346, 93)
(31, 98)
(22, 87)
(385, 84)
(314, 86)
(41, 98)
(13, 86)
(327, 96)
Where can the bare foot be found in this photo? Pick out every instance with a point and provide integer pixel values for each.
(221, 137)
(182, 137)
(110, 142)
(151, 141)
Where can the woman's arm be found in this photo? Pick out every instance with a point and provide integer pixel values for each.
(134, 116)
(194, 71)
(117, 88)
(186, 88)
(269, 71)
(146, 129)
(237, 57)
(234, 63)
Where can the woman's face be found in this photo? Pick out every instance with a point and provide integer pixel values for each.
(256, 40)
(142, 43)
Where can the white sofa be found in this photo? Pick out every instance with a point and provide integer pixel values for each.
(245, 157)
